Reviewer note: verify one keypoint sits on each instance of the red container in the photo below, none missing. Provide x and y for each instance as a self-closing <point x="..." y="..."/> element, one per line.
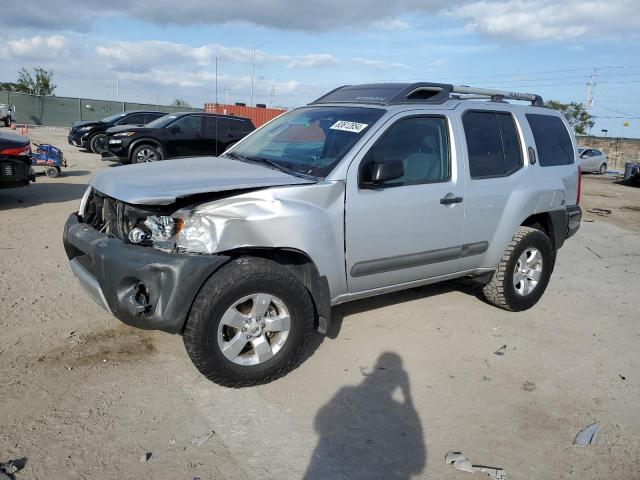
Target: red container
<point x="259" y="116"/>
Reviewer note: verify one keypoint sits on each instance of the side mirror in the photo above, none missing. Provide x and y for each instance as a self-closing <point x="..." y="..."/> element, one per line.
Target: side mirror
<point x="376" y="174"/>
<point x="583" y="155"/>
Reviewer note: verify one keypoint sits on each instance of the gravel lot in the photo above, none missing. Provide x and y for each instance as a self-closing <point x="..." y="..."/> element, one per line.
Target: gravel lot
<point x="408" y="377"/>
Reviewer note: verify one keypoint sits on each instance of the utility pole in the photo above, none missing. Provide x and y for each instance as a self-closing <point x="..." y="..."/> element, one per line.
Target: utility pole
<point x="273" y="96"/>
<point x="588" y="101"/>
<point x="253" y="68"/>
<point x="117" y="86"/>
<point x="216" y="80"/>
<point x="226" y="96"/>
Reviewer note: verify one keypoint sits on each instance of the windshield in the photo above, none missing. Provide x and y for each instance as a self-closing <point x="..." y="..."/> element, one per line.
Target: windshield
<point x="310" y="140"/>
<point x="111" y="118"/>
<point x="161" y="122"/>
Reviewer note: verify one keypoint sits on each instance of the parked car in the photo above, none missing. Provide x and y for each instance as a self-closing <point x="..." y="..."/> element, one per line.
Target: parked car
<point x="89" y="134"/>
<point x="592" y="160"/>
<point x="176" y="135"/>
<point x="15" y="161"/>
<point x="7" y="114"/>
<point x="367" y="190"/>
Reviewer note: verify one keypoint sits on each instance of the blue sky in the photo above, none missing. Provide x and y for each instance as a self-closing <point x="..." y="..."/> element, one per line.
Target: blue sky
<point x="163" y="50"/>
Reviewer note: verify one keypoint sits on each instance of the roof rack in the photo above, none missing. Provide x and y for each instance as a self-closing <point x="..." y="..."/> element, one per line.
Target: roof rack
<point x="422" y="92"/>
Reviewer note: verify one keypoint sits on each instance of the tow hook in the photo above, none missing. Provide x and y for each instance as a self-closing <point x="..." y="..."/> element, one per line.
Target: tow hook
<point x="139" y="299"/>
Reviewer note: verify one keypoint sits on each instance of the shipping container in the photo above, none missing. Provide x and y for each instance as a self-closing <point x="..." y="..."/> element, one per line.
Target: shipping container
<point x="259" y="116"/>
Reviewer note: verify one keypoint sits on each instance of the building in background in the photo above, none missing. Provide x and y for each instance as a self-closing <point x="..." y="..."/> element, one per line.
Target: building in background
<point x="259" y="114"/>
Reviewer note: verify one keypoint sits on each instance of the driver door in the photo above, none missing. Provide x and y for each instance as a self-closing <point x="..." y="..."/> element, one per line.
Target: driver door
<point x="408" y="228"/>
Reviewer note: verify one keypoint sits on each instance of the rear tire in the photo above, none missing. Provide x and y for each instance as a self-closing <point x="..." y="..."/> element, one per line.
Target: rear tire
<point x="603" y="169"/>
<point x="52" y="172"/>
<point x="7" y="122"/>
<point x="519" y="282"/>
<point x="246" y="278"/>
<point x="146" y="153"/>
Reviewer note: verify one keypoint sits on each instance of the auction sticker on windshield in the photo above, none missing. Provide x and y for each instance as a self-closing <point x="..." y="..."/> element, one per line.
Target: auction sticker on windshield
<point x="349" y="126"/>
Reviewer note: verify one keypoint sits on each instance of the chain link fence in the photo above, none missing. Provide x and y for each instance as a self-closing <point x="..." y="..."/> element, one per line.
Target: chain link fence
<point x="64" y="111"/>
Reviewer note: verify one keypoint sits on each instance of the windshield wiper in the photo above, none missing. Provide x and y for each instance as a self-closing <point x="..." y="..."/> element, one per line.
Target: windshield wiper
<point x="271" y="163"/>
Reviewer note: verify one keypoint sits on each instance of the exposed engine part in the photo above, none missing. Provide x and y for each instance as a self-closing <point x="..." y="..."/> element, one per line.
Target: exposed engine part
<point x="137" y="235"/>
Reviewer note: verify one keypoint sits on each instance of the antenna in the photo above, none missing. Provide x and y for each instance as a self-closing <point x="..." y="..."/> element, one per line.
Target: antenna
<point x="588" y="101"/>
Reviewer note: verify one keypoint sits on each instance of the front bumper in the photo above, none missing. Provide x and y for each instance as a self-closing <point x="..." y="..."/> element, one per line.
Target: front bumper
<point x="141" y="286"/>
<point x="77" y="139"/>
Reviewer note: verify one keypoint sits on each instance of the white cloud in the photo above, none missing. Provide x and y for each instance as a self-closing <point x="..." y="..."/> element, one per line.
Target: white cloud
<point x="391" y="24"/>
<point x="34" y="48"/>
<point x="439" y="64"/>
<point x="380" y="64"/>
<point x="551" y="20"/>
<point x="144" y="55"/>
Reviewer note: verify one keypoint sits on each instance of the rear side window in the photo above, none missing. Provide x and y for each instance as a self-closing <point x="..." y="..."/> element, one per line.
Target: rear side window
<point x="135" y="119"/>
<point x="492" y="143"/>
<point x="552" y="140"/>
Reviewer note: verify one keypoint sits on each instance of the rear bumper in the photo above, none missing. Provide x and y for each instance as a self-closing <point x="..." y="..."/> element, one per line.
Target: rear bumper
<point x="15" y="172"/>
<point x="141" y="286"/>
<point x="574" y="216"/>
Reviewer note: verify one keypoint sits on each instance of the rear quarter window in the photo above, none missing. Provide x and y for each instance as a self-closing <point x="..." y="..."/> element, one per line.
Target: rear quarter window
<point x="552" y="140"/>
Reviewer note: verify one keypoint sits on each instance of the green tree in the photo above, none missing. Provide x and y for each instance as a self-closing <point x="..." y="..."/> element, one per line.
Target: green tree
<point x="41" y="83"/>
<point x="576" y="115"/>
<point x="8" y="86"/>
<point x="178" y="102"/>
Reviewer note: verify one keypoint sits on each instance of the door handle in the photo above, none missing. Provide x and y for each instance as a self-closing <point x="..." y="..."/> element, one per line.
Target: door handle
<point x="449" y="199"/>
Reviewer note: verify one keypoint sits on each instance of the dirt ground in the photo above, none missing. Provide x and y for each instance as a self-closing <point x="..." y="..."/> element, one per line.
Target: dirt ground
<point x="408" y="376"/>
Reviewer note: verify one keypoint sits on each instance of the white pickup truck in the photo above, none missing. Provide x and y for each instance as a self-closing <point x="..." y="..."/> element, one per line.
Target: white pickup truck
<point x="7" y="114"/>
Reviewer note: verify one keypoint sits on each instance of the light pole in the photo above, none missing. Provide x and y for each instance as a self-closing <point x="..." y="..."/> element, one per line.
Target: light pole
<point x="253" y="68"/>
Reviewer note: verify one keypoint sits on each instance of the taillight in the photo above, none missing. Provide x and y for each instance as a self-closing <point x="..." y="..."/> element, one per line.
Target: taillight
<point x="579" y="184"/>
<point x="19" y="151"/>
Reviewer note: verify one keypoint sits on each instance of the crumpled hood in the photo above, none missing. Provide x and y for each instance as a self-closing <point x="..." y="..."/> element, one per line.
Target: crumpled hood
<point x="162" y="183"/>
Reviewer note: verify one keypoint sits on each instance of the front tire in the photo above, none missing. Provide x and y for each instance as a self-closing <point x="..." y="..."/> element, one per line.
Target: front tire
<point x="523" y="273"/>
<point x="96" y="142"/>
<point x="249" y="324"/>
<point x="146" y="153"/>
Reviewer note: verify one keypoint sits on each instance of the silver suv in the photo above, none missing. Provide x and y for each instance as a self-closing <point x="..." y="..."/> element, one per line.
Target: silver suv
<point x="367" y="190"/>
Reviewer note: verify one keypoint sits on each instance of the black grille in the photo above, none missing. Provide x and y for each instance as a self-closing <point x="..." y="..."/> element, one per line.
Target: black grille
<point x="8" y="170"/>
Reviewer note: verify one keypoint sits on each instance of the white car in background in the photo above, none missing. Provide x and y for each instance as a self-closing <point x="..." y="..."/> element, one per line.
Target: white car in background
<point x="7" y="114"/>
<point x="592" y="160"/>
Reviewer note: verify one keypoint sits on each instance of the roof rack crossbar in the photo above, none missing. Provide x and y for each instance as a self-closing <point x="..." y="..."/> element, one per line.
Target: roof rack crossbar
<point x="497" y="95"/>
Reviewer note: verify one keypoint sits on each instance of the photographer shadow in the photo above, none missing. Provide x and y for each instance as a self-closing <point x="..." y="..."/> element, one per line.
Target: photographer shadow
<point x="370" y="431"/>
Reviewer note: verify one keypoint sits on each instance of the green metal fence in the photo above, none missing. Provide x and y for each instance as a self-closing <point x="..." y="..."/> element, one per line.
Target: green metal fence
<point x="63" y="111"/>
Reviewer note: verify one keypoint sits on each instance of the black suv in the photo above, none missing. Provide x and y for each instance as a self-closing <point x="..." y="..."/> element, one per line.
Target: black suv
<point x="90" y="134"/>
<point x="176" y="135"/>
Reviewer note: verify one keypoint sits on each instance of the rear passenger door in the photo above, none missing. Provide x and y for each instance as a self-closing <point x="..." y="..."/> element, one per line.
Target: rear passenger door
<point x="494" y="167"/>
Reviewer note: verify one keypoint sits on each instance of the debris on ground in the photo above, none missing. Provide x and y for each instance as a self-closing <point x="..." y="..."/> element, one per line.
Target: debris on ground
<point x="501" y="351"/>
<point x="587" y="436"/>
<point x="528" y="386"/>
<point x="145" y="457"/>
<point x="199" y="441"/>
<point x="594" y="252"/>
<point x="7" y="469"/>
<point x="603" y="212"/>
<point x="460" y="462"/>
<point x="622" y="377"/>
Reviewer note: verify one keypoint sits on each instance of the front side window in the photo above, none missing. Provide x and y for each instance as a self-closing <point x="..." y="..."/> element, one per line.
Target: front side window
<point x="493" y="144"/>
<point x="135" y="119"/>
<point x="189" y="124"/>
<point x="421" y="144"/>
<point x="552" y="140"/>
<point x="310" y="140"/>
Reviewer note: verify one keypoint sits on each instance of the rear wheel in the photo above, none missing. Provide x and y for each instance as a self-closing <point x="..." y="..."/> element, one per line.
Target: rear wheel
<point x="250" y="323"/>
<point x="146" y="153"/>
<point x="52" y="172"/>
<point x="523" y="273"/>
<point x="7" y="121"/>
<point x="603" y="169"/>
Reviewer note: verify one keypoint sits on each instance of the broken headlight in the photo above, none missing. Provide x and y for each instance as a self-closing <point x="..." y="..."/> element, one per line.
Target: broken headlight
<point x="161" y="231"/>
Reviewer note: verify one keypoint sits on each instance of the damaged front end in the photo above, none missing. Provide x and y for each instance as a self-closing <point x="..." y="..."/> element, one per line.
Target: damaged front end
<point x="124" y="257"/>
